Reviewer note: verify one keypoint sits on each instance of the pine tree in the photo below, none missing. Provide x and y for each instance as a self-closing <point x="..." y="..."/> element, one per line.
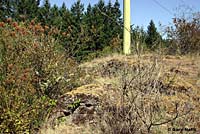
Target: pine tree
<point x="89" y="29"/>
<point x="6" y="9"/>
<point x="66" y="16"/>
<point x="109" y="19"/>
<point x="99" y="12"/>
<point x="55" y="18"/>
<point x="26" y="9"/>
<point x="76" y="30"/>
<point x="152" y="36"/>
<point x="77" y="10"/>
<point x="44" y="13"/>
<point x="112" y="28"/>
<point x="3" y="11"/>
<point x="88" y="14"/>
<point x="117" y="10"/>
<point x="117" y="29"/>
<point x="63" y="9"/>
<point x="109" y="8"/>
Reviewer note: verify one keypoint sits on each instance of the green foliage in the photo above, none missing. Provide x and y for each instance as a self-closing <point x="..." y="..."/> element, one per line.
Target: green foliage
<point x="184" y="34"/>
<point x="83" y="32"/>
<point x="74" y="105"/>
<point x="20" y="10"/>
<point x="92" y="31"/>
<point x="77" y="14"/>
<point x="44" y="13"/>
<point x="139" y="37"/>
<point x="26" y="9"/>
<point x="22" y="112"/>
<point x="153" y="37"/>
<point x="5" y="7"/>
<point x="34" y="71"/>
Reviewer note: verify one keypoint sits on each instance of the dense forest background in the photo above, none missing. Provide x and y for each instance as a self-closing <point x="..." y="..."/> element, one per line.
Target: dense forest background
<point x="41" y="46"/>
<point x="87" y="33"/>
<point x="83" y="31"/>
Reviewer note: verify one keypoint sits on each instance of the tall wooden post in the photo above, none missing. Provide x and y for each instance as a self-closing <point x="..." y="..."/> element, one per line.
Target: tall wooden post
<point x="127" y="28"/>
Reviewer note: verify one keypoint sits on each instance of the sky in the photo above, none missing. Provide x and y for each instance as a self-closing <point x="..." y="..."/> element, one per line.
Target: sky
<point x="142" y="11"/>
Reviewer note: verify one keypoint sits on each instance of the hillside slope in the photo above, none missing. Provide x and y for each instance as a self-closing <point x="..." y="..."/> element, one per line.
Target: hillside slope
<point x="173" y="80"/>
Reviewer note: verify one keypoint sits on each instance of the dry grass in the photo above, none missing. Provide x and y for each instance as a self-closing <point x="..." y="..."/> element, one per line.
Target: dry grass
<point x="70" y="129"/>
<point x="181" y="97"/>
<point x="175" y="108"/>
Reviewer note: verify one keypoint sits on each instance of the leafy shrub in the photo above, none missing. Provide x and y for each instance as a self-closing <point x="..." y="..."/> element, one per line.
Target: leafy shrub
<point x="23" y="112"/>
<point x="34" y="71"/>
<point x="184" y="34"/>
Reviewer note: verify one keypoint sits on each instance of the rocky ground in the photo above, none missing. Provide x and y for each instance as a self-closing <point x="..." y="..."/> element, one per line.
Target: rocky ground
<point x="79" y="111"/>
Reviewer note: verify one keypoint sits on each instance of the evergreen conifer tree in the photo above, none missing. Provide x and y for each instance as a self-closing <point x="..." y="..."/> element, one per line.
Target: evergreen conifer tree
<point x="7" y="9"/>
<point x="56" y="19"/>
<point x="26" y="9"/>
<point x="66" y="16"/>
<point x="77" y="11"/>
<point x="152" y="36"/>
<point x="44" y="13"/>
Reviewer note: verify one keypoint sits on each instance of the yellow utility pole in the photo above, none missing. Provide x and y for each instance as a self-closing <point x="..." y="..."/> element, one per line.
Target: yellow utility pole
<point x="127" y="28"/>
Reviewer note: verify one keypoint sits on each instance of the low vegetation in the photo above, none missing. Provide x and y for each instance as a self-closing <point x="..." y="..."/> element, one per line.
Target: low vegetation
<point x="147" y="102"/>
<point x="57" y="74"/>
<point x="34" y="71"/>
